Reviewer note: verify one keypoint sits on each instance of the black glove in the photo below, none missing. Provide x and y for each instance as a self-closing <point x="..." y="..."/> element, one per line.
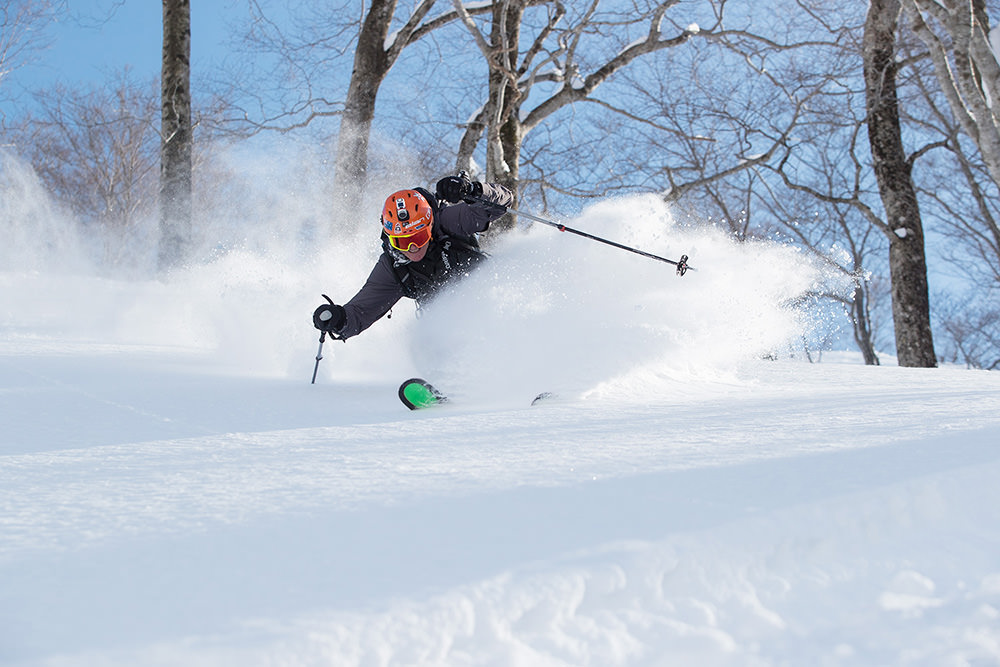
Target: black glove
<point x="329" y="317"/>
<point x="457" y="188"/>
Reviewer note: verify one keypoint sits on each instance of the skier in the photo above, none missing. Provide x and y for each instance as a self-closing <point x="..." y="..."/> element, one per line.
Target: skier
<point x="425" y="245"/>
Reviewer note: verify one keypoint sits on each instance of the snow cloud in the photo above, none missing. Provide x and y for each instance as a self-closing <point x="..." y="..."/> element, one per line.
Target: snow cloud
<point x="551" y="311"/>
<point x="557" y="312"/>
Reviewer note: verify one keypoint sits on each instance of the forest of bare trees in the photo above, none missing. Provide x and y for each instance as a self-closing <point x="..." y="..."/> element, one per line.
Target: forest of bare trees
<point x="866" y="135"/>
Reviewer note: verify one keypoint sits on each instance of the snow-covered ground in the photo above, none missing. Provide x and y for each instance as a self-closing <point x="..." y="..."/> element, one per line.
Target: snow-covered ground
<point x="174" y="491"/>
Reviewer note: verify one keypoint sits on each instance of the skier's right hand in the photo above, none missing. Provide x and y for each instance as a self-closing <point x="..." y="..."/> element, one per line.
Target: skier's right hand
<point x="329" y="317"/>
<point x="458" y="188"/>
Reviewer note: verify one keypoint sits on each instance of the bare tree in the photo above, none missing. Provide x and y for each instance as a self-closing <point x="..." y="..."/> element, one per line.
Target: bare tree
<point x="965" y="210"/>
<point x="373" y="59"/>
<point x="96" y="150"/>
<point x="556" y="56"/>
<point x="957" y="36"/>
<point x="309" y="56"/>
<point x="563" y="59"/>
<point x="907" y="262"/>
<point x="176" y="134"/>
<point x="955" y="79"/>
<point x="840" y="236"/>
<point x="971" y="332"/>
<point x="824" y="201"/>
<point x="22" y="30"/>
<point x="503" y="104"/>
<point x="23" y="35"/>
<point x="826" y="194"/>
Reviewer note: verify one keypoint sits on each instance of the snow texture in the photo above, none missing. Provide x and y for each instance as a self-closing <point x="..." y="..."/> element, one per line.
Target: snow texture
<point x="175" y="492"/>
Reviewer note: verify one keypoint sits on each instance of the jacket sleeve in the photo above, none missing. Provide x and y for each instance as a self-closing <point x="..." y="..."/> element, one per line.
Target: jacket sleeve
<point x="466" y="219"/>
<point x="379" y="293"/>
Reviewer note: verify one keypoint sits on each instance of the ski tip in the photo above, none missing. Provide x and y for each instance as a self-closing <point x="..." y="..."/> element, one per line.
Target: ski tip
<point x="417" y="393"/>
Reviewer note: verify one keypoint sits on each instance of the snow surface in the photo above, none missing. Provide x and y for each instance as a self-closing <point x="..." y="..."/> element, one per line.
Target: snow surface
<point x="175" y="491"/>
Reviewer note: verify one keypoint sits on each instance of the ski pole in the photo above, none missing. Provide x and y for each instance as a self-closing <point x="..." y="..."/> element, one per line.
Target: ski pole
<point x="681" y="264"/>
<point x="319" y="355"/>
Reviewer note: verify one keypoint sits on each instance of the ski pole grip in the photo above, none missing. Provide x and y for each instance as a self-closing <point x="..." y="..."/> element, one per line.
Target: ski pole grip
<point x="464" y="174"/>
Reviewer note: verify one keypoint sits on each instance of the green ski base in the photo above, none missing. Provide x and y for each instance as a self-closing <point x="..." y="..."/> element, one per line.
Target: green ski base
<point x="417" y="394"/>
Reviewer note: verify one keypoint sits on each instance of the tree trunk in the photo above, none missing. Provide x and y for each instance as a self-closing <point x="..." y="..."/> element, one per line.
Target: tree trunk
<point x="176" y="138"/>
<point x="373" y="59"/>
<point x="862" y="327"/>
<point x="503" y="148"/>
<point x="907" y="263"/>
<point x="371" y="65"/>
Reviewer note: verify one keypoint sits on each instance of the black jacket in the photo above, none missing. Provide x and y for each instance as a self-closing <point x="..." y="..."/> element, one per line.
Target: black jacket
<point x="453" y="252"/>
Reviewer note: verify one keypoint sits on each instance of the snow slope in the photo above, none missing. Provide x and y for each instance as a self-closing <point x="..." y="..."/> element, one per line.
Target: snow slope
<point x="175" y="492"/>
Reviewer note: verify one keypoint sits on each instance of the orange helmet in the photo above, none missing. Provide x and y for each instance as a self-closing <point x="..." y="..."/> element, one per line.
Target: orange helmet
<point x="407" y="218"/>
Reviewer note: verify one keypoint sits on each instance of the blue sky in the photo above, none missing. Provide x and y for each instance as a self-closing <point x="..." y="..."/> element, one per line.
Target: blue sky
<point x="101" y="37"/>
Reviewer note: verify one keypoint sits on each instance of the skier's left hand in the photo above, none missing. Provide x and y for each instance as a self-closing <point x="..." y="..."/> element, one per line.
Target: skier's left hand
<point x="329" y="317"/>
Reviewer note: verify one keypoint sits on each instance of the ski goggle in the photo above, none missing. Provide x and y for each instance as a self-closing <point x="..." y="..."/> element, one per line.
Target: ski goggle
<point x="411" y="242"/>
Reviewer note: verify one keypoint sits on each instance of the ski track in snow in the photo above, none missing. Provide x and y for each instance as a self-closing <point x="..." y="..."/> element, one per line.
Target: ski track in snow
<point x="136" y="487"/>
